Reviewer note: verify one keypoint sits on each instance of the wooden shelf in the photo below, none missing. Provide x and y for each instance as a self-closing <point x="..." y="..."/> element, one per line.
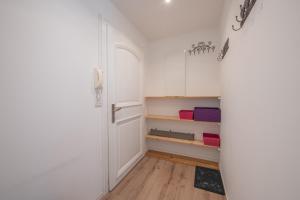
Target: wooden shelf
<point x="174" y="118"/>
<point x="197" y="143"/>
<point x="182" y="97"/>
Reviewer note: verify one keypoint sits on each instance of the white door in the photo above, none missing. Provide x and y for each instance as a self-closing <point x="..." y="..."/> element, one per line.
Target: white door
<point x="125" y="99"/>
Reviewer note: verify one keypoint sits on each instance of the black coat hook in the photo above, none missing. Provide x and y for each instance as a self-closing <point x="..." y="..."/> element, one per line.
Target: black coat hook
<point x="223" y="50"/>
<point x="237" y="19"/>
<point x="244" y="13"/>
<point x="236" y="29"/>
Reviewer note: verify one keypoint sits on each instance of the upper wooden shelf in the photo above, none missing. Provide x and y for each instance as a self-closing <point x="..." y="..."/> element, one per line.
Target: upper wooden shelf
<point x="174" y="118"/>
<point x="182" y="97"/>
<point x="197" y="143"/>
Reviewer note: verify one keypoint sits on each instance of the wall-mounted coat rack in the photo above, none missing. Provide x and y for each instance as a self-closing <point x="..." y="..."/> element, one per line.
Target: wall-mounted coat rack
<point x="245" y="11"/>
<point x="224" y="50"/>
<point x="202" y="47"/>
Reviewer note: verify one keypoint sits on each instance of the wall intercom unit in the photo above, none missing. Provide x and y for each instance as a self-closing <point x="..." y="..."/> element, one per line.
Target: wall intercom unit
<point x="98" y="85"/>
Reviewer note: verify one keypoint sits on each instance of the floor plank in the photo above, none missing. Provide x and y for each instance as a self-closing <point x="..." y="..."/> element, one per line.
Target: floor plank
<point x="159" y="179"/>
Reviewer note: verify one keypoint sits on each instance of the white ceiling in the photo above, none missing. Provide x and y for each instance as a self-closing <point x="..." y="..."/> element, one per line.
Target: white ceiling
<point x="156" y="19"/>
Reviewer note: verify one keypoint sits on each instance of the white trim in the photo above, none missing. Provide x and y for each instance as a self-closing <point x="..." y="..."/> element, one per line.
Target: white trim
<point x="101" y="195"/>
<point x="221" y="172"/>
<point x="104" y="114"/>
<point x="128" y="119"/>
<point x="129" y="104"/>
<point x="127" y="48"/>
<point x="128" y="170"/>
<point x="131" y="162"/>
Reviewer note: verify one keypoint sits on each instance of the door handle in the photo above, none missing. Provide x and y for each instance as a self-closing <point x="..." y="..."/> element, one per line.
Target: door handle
<point x="114" y="109"/>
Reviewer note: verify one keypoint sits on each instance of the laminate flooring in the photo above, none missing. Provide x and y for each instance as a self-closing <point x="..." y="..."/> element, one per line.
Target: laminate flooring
<point x="159" y="179"/>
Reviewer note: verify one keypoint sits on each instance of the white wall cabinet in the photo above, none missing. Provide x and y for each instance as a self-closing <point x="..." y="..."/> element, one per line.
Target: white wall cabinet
<point x="170" y="72"/>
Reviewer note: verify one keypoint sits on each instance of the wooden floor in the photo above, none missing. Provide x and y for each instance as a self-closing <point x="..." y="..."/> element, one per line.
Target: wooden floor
<point x="159" y="179"/>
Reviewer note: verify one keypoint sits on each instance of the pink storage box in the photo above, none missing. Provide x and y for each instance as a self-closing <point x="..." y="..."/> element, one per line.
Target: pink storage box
<point x="186" y="114"/>
<point x="211" y="139"/>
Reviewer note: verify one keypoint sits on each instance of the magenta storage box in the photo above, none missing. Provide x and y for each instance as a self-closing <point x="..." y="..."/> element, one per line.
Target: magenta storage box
<point x="207" y="114"/>
<point x="211" y="139"/>
<point x="186" y="114"/>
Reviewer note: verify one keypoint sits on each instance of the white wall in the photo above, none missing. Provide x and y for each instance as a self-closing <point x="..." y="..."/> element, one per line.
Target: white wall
<point x="260" y="106"/>
<point x="165" y="71"/>
<point x="50" y="131"/>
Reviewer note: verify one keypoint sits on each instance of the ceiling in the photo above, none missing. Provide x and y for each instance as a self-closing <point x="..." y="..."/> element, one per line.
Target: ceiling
<point x="157" y="19"/>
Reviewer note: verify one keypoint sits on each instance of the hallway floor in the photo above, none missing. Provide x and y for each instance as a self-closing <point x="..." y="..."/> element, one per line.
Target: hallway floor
<point x="158" y="179"/>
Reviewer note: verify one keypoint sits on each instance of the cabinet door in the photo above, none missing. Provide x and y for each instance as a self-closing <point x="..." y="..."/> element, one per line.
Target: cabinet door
<point x="202" y="75"/>
<point x="175" y="74"/>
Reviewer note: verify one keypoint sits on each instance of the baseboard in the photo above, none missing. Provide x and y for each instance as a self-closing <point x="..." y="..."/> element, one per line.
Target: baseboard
<point x="102" y="195"/>
<point x="221" y="172"/>
<point x="182" y="159"/>
<point x="134" y="165"/>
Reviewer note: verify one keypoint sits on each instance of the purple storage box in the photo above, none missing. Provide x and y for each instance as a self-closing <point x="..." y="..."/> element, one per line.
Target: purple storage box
<point x="207" y="114"/>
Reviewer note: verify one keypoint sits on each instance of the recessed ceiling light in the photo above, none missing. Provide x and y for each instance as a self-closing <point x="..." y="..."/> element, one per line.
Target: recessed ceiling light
<point x="168" y="1"/>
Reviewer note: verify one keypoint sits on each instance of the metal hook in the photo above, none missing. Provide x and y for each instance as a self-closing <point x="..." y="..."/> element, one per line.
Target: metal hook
<point x="237" y="19"/>
<point x="201" y="47"/>
<point x="233" y="28"/>
<point x="245" y="10"/>
<point x="213" y="48"/>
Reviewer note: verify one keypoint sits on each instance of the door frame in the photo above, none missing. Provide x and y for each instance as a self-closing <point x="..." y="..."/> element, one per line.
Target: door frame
<point x="102" y="61"/>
